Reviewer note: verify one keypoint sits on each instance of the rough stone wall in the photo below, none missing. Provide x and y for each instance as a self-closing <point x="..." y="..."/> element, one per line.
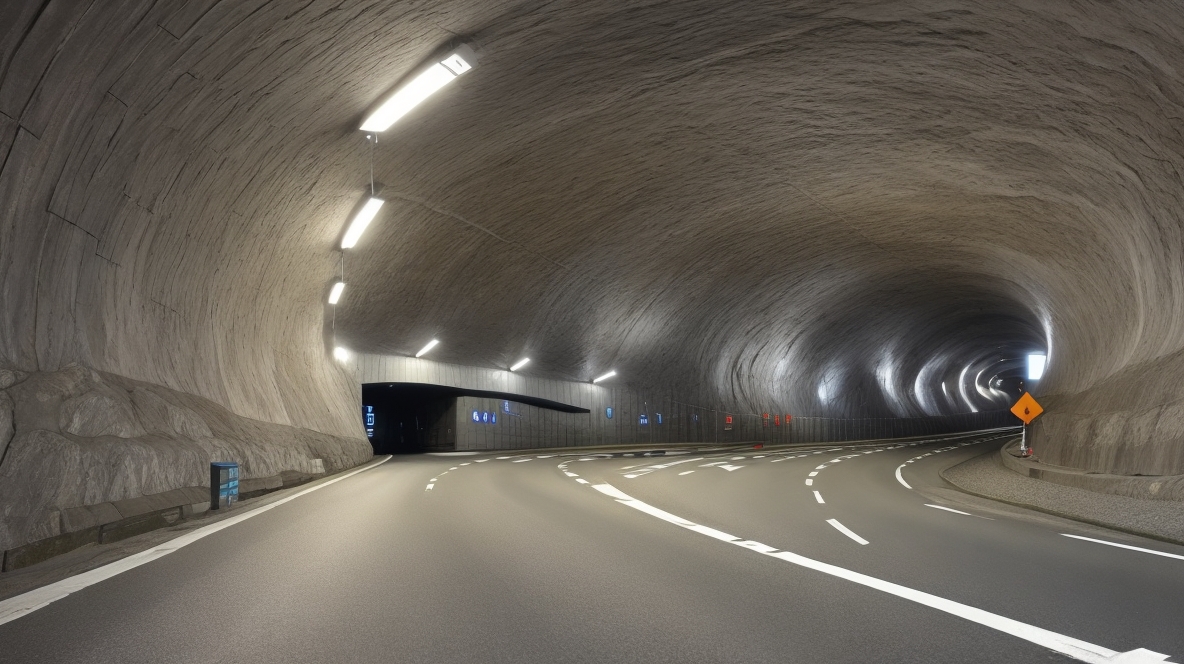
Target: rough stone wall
<point x="854" y="209"/>
<point x="83" y="438"/>
<point x="1132" y="423"/>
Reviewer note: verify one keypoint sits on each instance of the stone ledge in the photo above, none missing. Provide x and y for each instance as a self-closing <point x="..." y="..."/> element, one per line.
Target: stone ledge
<point x="1149" y="487"/>
<point x="110" y="522"/>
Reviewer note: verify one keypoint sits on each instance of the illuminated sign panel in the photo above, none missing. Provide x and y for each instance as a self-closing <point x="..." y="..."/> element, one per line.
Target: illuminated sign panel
<point x="484" y="417"/>
<point x="368" y="420"/>
<point x="608" y="412"/>
<point x="643" y="419"/>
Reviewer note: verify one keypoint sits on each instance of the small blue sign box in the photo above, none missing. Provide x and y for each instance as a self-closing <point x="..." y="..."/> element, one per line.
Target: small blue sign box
<point x="369" y="417"/>
<point x="484" y="417"/>
<point x="223" y="484"/>
<point x="659" y="418"/>
<point x="608" y="412"/>
<point x="643" y="419"/>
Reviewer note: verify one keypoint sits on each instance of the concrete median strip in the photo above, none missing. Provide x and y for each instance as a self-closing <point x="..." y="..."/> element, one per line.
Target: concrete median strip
<point x="24" y="604"/>
<point x="1075" y="648"/>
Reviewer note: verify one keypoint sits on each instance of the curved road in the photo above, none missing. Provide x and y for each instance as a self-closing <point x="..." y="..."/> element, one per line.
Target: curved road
<point x="811" y="554"/>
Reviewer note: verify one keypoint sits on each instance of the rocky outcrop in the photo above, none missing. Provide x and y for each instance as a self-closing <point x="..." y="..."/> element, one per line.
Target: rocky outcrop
<point x="84" y="438"/>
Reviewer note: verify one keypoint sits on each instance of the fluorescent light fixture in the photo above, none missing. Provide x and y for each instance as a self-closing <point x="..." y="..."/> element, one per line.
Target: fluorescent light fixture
<point x="360" y="222"/>
<point x="419" y="88"/>
<point x="1036" y="362"/>
<point x="520" y="363"/>
<point x="604" y="377"/>
<point x="423" y="351"/>
<point x="335" y="294"/>
<point x="341" y="354"/>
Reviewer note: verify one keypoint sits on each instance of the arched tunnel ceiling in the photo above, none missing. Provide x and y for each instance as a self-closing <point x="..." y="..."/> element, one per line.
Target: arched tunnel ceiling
<point x="804" y="203"/>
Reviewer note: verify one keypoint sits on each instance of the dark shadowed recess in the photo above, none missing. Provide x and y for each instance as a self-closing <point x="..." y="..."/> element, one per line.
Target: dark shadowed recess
<point x="415" y="417"/>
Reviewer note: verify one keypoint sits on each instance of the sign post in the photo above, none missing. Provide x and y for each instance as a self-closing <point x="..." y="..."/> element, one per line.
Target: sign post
<point x="1027" y="410"/>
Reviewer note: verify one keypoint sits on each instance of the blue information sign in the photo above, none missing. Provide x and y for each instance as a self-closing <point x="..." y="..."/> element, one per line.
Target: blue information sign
<point x="608" y="412"/>
<point x="643" y="419"/>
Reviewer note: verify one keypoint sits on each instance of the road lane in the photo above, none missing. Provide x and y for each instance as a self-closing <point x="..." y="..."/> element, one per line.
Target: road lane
<point x="508" y="561"/>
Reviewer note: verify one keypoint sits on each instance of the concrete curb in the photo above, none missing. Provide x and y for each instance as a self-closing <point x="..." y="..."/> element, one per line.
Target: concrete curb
<point x="1054" y="512"/>
<point x="104" y="523"/>
<point x="1145" y="487"/>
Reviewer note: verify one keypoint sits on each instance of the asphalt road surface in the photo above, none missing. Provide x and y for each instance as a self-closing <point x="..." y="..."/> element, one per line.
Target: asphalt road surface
<point x="811" y="554"/>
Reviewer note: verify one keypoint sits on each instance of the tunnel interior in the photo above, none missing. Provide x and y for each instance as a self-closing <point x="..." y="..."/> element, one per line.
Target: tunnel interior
<point x="840" y="210"/>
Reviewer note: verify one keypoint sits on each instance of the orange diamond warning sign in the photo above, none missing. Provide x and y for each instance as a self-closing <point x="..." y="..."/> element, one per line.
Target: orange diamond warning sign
<point x="1026" y="408"/>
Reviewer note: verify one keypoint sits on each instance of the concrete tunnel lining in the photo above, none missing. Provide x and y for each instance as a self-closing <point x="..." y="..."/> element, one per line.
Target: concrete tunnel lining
<point x="751" y="205"/>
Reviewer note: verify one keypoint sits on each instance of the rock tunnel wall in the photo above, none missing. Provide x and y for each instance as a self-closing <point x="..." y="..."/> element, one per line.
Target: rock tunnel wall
<point x="855" y="209"/>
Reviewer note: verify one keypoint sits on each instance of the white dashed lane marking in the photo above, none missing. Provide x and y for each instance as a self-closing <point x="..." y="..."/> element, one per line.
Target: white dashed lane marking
<point x="948" y="509"/>
<point x="818" y="497"/>
<point x="1066" y="645"/>
<point x="900" y="479"/>
<point x="1126" y="546"/>
<point x="846" y="531"/>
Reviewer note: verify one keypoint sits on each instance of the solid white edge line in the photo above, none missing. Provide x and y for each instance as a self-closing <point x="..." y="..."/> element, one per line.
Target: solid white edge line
<point x="901" y="479"/>
<point x="846" y="531"/>
<point x="1127" y="546"/>
<point x="26" y="603"/>
<point x="1066" y="645"/>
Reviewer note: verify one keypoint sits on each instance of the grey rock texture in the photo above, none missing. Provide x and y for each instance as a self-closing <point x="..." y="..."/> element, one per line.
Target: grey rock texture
<point x="84" y="438"/>
<point x="856" y="209"/>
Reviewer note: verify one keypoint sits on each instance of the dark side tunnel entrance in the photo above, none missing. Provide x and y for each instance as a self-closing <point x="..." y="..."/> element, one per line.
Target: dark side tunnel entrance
<point x="412" y="418"/>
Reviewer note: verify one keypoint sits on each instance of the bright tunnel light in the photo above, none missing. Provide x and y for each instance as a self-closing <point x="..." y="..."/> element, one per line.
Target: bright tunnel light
<point x="341" y="354"/>
<point x="335" y="294"/>
<point x="1036" y="362"/>
<point x="520" y="363"/>
<point x="360" y="222"/>
<point x="423" y="351"/>
<point x="604" y="377"/>
<point x="418" y="89"/>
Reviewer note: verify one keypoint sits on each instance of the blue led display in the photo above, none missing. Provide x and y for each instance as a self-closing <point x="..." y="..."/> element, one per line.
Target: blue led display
<point x="608" y="412"/>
